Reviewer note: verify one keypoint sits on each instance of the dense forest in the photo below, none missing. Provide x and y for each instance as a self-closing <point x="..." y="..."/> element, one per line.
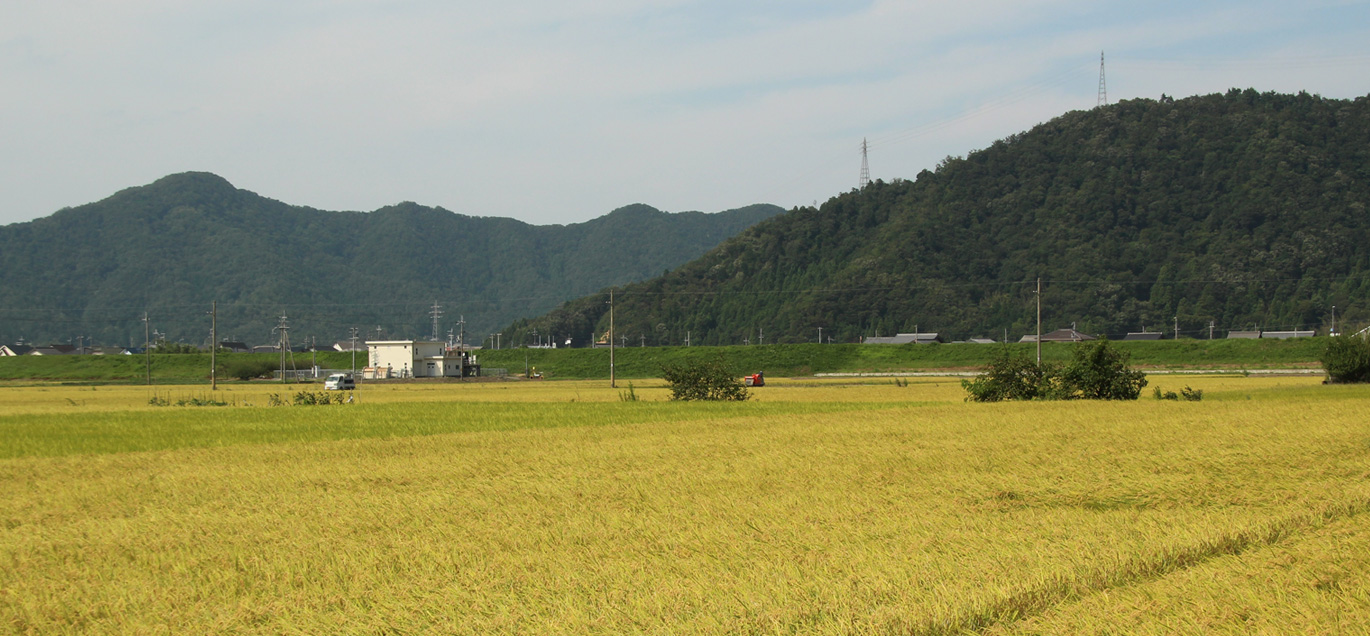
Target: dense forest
<point x="172" y="247"/>
<point x="1240" y="210"/>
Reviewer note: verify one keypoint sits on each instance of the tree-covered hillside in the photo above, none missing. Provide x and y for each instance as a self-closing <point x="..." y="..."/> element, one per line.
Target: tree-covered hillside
<point x="172" y="247"/>
<point x="1239" y="210"/>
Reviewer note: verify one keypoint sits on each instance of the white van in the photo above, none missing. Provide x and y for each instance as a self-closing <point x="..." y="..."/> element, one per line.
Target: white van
<point x="339" y="382"/>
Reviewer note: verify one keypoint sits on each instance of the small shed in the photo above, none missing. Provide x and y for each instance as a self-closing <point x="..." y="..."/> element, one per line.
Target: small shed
<point x="1144" y="335"/>
<point x="1244" y="335"/>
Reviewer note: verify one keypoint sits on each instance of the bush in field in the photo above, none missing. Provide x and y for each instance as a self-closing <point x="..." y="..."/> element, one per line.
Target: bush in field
<point x="1097" y="371"/>
<point x="1346" y="359"/>
<point x="703" y="380"/>
<point x="1187" y="394"/>
<point x="1012" y="378"/>
<point x="250" y="368"/>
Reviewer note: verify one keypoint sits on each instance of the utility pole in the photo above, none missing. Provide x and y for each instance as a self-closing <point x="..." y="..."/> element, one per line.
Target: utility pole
<point x="1039" y="321"/>
<point x="461" y="332"/>
<point x="1210" y="329"/>
<point x="820" y="335"/>
<point x="497" y="340"/>
<point x="1177" y="327"/>
<point x="687" y="338"/>
<point x="611" y="339"/>
<point x="213" y="346"/>
<point x="353" y="333"/>
<point x="147" y="348"/>
<point x="284" y="345"/>
<point x="1334" y="321"/>
<point x="642" y="341"/>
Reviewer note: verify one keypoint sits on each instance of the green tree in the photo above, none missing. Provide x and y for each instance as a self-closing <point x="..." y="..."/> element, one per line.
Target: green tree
<point x="1010" y="377"/>
<point x="1346" y="359"/>
<point x="709" y="379"/>
<point x="1099" y="371"/>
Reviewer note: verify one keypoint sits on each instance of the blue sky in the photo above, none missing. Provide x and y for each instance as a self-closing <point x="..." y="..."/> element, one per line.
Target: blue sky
<point x="555" y="112"/>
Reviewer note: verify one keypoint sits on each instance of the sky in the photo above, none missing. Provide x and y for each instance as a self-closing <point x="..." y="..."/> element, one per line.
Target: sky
<point x="559" y="112"/>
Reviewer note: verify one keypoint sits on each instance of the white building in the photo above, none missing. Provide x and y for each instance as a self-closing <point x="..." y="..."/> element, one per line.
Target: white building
<point x="418" y="359"/>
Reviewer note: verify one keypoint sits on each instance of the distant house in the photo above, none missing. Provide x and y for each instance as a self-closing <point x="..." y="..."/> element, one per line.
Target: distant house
<point x="418" y="359"/>
<point x="346" y="345"/>
<point x="233" y="346"/>
<point x="1144" y="335"/>
<point x="1283" y="335"/>
<point x="905" y="338"/>
<point x="108" y="351"/>
<point x="981" y="341"/>
<point x="15" y="350"/>
<point x="1060" y="335"/>
<point x="265" y="349"/>
<point x="1244" y="335"/>
<point x="48" y="351"/>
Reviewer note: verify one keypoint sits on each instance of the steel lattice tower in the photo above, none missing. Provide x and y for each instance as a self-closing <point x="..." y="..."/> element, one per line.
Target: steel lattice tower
<point x="436" y="313"/>
<point x="865" y="166"/>
<point x="1103" y="92"/>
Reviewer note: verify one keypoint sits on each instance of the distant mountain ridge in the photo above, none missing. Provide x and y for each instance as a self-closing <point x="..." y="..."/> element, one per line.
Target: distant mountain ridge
<point x="1242" y="210"/>
<point x="172" y="247"/>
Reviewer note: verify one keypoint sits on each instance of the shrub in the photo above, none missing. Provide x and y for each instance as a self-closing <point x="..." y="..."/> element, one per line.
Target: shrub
<point x="1346" y="359"/>
<point x="1012" y="378"/>
<point x="1187" y="394"/>
<point x="249" y="369"/>
<point x="704" y="380"/>
<point x="1098" y="371"/>
<point x="175" y="347"/>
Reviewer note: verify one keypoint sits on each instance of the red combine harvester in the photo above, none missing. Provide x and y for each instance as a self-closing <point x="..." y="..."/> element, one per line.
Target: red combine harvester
<point x="755" y="379"/>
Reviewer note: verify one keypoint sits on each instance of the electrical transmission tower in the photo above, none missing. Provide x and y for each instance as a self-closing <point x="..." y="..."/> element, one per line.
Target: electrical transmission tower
<point x="436" y="313"/>
<point x="865" y="166"/>
<point x="1103" y="92"/>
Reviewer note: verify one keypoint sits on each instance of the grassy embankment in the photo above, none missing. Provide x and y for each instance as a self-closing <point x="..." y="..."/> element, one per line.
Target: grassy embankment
<point x="808" y="359"/>
<point x="636" y="362"/>
<point x="821" y="507"/>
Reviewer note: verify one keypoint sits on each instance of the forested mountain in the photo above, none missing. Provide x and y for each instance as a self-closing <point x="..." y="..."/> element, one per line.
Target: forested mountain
<point x="172" y="247"/>
<point x="1238" y="210"/>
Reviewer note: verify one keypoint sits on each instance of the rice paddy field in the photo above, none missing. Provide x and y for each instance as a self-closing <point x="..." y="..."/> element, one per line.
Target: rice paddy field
<point x="817" y="507"/>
